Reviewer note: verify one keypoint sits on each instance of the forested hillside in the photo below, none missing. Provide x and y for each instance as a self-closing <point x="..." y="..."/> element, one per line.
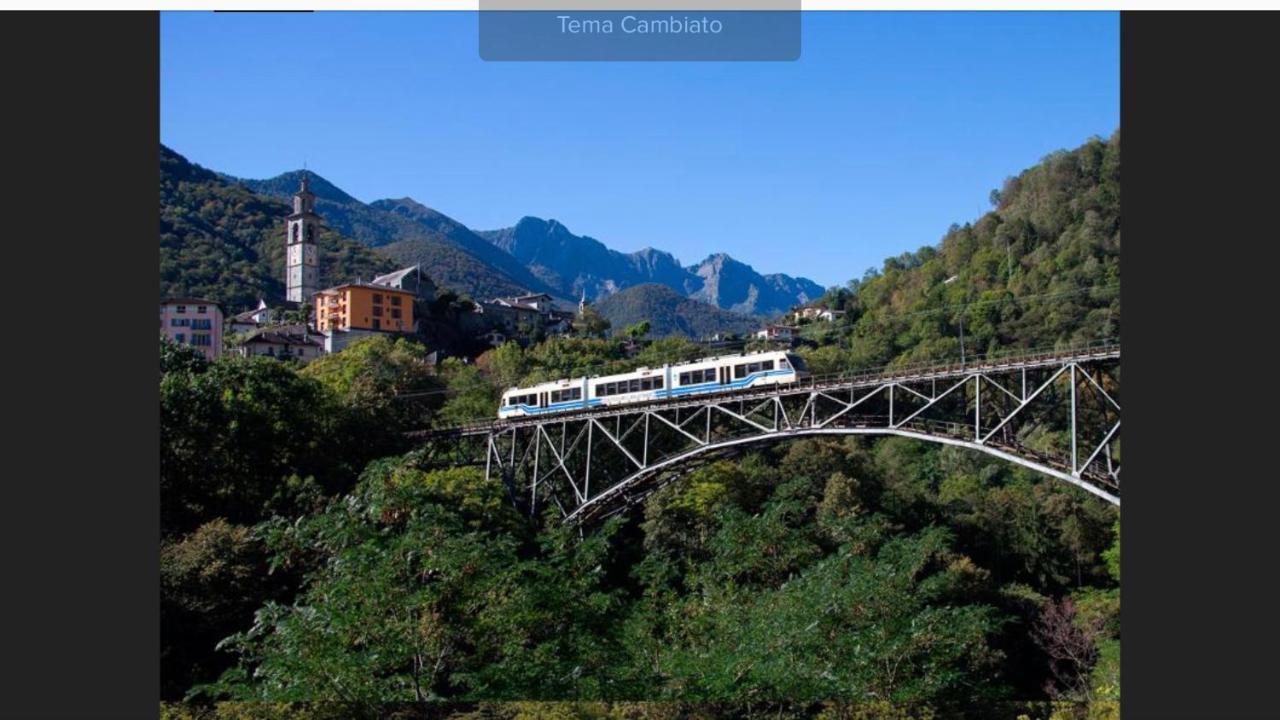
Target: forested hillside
<point x="847" y="577"/>
<point x="670" y="313"/>
<point x="1041" y="269"/>
<point x="221" y="241"/>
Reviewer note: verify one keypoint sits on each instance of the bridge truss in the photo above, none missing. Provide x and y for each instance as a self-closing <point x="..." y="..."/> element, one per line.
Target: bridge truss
<point x="1055" y="412"/>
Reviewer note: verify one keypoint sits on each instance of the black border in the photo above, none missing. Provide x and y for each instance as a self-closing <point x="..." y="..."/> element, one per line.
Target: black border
<point x="79" y="533"/>
<point x="1201" y="502"/>
<point x="78" y="514"/>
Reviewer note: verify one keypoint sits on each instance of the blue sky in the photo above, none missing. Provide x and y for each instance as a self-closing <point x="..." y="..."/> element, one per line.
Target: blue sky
<point x="889" y="128"/>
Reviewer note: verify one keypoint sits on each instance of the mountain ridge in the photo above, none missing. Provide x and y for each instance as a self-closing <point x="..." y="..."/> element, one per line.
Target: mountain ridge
<point x="576" y="264"/>
<point x="534" y="255"/>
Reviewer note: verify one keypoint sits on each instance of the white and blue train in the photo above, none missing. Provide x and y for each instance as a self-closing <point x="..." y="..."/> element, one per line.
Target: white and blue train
<point x="708" y="375"/>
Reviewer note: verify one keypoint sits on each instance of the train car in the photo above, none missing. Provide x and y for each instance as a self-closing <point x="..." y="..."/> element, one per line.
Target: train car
<point x="726" y="373"/>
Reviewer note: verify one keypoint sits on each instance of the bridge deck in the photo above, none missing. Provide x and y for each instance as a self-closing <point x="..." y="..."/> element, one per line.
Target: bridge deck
<point x="1029" y="360"/>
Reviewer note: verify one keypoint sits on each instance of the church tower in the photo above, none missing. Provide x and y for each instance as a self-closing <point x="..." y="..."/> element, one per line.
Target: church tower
<point x="302" y="274"/>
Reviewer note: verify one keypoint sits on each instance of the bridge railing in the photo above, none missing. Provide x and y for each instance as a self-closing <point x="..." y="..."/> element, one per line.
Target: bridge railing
<point x="1011" y="356"/>
<point x="1107" y="347"/>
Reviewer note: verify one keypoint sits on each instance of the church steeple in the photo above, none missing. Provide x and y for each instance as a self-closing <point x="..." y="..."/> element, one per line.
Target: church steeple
<point x="302" y="273"/>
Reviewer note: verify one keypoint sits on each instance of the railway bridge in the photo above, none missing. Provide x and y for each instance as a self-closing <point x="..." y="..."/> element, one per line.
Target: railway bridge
<point x="1054" y="411"/>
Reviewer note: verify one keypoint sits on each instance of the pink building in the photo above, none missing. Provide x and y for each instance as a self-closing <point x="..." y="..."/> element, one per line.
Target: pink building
<point x="194" y="322"/>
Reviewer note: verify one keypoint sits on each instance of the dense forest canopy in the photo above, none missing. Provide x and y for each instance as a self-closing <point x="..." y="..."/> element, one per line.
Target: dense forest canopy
<point x="1041" y="269"/>
<point x="312" y="553"/>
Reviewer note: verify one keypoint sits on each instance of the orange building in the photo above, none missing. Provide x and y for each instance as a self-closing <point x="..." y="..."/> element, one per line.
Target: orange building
<point x="364" y="306"/>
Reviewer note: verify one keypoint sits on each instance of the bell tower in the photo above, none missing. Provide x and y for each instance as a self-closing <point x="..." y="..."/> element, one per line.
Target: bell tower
<point x="302" y="270"/>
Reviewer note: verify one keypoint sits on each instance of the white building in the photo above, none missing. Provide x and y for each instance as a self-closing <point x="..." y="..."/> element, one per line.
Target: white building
<point x="776" y="332"/>
<point x="284" y="341"/>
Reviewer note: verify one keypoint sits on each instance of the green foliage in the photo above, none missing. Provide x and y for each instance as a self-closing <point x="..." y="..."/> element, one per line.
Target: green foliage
<point x="382" y="380"/>
<point x="1041" y="269"/>
<point x="668" y="313"/>
<point x="589" y="323"/>
<point x="471" y="396"/>
<point x="639" y="329"/>
<point x="505" y="364"/>
<point x="418" y="601"/>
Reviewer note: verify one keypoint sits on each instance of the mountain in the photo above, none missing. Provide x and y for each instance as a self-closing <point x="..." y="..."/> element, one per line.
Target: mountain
<point x="736" y="286"/>
<point x="222" y="241"/>
<point x="574" y="264"/>
<point x="670" y="313"/>
<point x="534" y="255"/>
<point x="410" y="233"/>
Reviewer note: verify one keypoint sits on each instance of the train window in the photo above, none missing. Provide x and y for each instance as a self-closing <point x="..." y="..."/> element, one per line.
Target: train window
<point x="576" y="394"/>
<point x="657" y="383"/>
<point x="766" y="365"/>
<point x="635" y="385"/>
<point x="739" y="371"/>
<point x="646" y="384"/>
<point x="782" y="364"/>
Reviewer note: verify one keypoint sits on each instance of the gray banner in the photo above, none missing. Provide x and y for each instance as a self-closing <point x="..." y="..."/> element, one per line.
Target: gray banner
<point x="669" y="34"/>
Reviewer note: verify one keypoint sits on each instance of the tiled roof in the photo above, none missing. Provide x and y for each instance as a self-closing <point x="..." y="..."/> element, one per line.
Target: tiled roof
<point x="283" y="335"/>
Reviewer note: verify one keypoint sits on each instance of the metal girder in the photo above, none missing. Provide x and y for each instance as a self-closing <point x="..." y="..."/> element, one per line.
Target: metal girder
<point x="899" y="403"/>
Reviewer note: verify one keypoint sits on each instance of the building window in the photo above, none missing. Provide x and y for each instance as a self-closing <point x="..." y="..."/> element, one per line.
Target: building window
<point x="377" y="298"/>
<point x="182" y="309"/>
<point x="201" y="309"/>
<point x="395" y="312"/>
<point x="200" y="339"/>
<point x="180" y="338"/>
<point x="377" y="324"/>
<point x="377" y="310"/>
<point x="395" y="300"/>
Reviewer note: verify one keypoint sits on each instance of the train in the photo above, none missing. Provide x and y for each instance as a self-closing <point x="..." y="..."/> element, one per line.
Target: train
<point x="719" y="374"/>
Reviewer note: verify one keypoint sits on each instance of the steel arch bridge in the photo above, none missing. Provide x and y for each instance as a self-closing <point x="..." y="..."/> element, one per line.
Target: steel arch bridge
<point x="1056" y="412"/>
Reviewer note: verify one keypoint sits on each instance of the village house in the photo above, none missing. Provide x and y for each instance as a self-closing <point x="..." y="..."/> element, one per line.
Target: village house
<point x="817" y="313"/>
<point x="410" y="279"/>
<point x="282" y="342"/>
<point x="193" y="321"/>
<point x="776" y="332"/>
<point x="512" y="316"/>
<point x="250" y="320"/>
<point x="354" y="310"/>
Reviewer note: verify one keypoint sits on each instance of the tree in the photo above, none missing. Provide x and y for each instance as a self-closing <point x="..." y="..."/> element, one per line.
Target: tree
<point x="1071" y="642"/>
<point x="506" y="364"/>
<point x="638" y="330"/>
<point x="386" y="383"/>
<point x="422" y="597"/>
<point x="590" y="323"/>
<point x="470" y="396"/>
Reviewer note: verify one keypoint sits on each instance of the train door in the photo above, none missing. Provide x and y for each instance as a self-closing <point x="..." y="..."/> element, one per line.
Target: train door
<point x="542" y="399"/>
<point x="724" y="375"/>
